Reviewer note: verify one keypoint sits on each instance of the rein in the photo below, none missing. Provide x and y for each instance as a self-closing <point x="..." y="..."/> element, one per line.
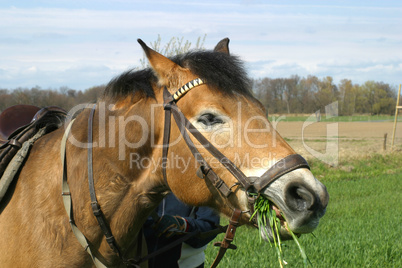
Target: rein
<point x="66" y="194"/>
<point x="252" y="185"/>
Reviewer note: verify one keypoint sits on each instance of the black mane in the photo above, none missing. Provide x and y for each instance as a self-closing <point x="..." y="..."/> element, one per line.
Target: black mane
<point x="131" y="82"/>
<point x="221" y="71"/>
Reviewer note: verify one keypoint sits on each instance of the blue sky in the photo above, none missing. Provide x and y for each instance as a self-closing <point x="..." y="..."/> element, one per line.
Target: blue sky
<point x="80" y="44"/>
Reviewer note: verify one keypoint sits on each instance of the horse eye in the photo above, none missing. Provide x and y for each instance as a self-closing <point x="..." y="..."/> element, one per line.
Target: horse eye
<point x="209" y="119"/>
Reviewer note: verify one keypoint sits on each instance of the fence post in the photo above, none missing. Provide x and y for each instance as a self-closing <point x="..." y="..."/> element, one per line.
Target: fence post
<point x="396" y="116"/>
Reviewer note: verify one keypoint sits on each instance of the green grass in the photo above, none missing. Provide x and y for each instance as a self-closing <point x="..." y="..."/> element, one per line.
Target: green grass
<point x="358" y="169"/>
<point x="343" y="118"/>
<point x="362" y="226"/>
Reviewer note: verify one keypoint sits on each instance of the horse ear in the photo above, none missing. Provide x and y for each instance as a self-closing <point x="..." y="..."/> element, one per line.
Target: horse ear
<point x="223" y="46"/>
<point x="166" y="70"/>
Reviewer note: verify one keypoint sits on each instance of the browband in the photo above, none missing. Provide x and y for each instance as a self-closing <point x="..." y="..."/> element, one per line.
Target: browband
<point x="187" y="87"/>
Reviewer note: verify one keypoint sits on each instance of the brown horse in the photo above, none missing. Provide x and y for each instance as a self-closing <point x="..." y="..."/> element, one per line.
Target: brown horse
<point x="129" y="163"/>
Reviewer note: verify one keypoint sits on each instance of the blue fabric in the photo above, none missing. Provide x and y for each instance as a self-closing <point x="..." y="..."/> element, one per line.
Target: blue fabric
<point x="168" y="224"/>
<point x="205" y="219"/>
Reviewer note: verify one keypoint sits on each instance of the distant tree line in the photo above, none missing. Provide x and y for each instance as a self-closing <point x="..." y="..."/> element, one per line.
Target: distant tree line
<point x="63" y="97"/>
<point x="307" y="95"/>
<point x="294" y="95"/>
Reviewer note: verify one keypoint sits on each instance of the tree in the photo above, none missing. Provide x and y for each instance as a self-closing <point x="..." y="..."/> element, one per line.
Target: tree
<point x="379" y="97"/>
<point x="261" y="89"/>
<point x="5" y="99"/>
<point x="347" y="97"/>
<point x="327" y="92"/>
<point x="307" y="87"/>
<point x="290" y="92"/>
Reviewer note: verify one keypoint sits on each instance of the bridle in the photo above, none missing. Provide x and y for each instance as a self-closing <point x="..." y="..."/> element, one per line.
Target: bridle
<point x="251" y="185"/>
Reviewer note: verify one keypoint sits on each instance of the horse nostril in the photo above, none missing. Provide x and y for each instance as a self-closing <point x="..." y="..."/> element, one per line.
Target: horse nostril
<point x="299" y="198"/>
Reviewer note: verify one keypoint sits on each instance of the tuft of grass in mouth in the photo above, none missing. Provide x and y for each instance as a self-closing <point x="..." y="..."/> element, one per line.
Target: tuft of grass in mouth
<point x="266" y="214"/>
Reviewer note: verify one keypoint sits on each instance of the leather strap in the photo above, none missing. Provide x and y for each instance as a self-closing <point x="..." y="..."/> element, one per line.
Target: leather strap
<point x="171" y="108"/>
<point x="166" y="131"/>
<point x="13" y="167"/>
<point x="228" y="239"/>
<point x="171" y="245"/>
<point x="68" y="203"/>
<point x="252" y="184"/>
<point x="94" y="202"/>
<point x="96" y="207"/>
<point x="280" y="168"/>
<point x="184" y="124"/>
<point x="14" y="142"/>
<point x="205" y="168"/>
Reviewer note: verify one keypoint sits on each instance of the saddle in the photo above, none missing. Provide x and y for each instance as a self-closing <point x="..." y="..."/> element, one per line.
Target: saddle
<point x="19" y="123"/>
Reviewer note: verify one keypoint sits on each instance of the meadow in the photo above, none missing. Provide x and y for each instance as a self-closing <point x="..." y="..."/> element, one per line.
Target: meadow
<point x="362" y="226"/>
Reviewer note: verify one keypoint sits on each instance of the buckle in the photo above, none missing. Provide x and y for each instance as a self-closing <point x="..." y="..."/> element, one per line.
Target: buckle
<point x="167" y="106"/>
<point x="96" y="208"/>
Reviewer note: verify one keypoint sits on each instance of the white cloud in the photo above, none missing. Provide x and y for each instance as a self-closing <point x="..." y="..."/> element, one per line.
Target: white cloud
<point x="63" y="44"/>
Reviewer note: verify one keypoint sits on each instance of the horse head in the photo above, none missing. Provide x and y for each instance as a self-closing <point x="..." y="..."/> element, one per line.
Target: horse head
<point x="217" y="110"/>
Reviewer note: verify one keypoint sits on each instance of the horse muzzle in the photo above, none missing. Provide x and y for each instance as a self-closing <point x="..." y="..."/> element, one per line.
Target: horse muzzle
<point x="300" y="202"/>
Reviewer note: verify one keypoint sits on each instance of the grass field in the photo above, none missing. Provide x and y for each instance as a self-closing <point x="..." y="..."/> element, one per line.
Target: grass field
<point x="362" y="226"/>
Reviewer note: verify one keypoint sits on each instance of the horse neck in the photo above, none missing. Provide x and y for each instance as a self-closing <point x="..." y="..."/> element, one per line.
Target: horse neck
<point x="127" y="192"/>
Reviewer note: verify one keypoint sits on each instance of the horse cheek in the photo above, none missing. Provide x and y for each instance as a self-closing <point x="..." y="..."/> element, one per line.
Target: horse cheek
<point x="186" y="185"/>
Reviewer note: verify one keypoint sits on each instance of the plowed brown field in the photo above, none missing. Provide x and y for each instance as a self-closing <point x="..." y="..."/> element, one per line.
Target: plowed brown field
<point x="353" y="138"/>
